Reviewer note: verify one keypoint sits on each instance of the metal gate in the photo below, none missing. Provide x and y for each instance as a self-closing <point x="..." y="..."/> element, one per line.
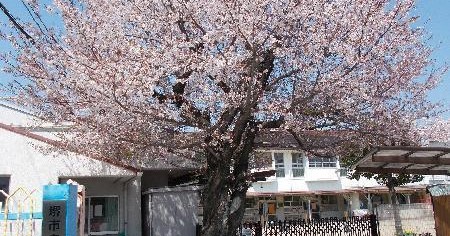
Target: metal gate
<point x="355" y="226"/>
<point x="19" y="215"/>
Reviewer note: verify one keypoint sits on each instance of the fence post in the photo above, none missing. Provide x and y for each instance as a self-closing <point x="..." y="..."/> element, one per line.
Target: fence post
<point x="373" y="225"/>
<point x="258" y="228"/>
<point x="198" y="230"/>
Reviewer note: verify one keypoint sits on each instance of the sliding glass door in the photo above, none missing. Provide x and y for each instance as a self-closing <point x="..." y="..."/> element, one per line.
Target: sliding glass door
<point x="102" y="215"/>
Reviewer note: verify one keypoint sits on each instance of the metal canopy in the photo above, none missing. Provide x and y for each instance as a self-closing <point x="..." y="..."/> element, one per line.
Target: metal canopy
<point x="407" y="160"/>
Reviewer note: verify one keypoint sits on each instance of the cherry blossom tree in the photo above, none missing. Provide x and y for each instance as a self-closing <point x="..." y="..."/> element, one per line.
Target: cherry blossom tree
<point x="433" y="130"/>
<point x="147" y="79"/>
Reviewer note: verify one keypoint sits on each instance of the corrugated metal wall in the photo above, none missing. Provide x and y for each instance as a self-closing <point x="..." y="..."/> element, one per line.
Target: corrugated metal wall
<point x="170" y="211"/>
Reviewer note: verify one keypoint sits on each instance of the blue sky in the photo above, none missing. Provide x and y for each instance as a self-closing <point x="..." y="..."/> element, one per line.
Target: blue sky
<point x="434" y="16"/>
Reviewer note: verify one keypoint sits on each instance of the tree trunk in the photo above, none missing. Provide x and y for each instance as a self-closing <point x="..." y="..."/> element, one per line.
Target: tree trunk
<point x="223" y="197"/>
<point x="223" y="201"/>
<point x="395" y="208"/>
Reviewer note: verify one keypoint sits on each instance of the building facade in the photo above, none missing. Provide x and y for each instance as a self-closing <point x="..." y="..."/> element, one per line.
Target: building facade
<point x="309" y="187"/>
<point x="117" y="198"/>
<point x="139" y="200"/>
<point x="113" y="191"/>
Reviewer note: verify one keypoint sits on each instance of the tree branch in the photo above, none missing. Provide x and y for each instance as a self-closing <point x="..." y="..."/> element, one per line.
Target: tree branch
<point x="16" y="24"/>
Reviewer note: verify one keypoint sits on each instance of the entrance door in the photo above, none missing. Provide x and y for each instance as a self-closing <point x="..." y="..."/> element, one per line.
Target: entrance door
<point x="102" y="215"/>
<point x="315" y="209"/>
<point x="268" y="210"/>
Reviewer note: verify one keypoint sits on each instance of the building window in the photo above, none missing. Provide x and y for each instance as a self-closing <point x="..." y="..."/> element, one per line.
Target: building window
<point x="328" y="199"/>
<point x="102" y="215"/>
<point x="250" y="202"/>
<point x="322" y="162"/>
<point x="293" y="201"/>
<point x="297" y="165"/>
<point x="4" y="186"/>
<point x="328" y="203"/>
<point x="279" y="164"/>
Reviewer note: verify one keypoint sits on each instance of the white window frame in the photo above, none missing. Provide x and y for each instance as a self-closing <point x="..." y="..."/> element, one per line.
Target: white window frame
<point x="279" y="167"/>
<point x="298" y="165"/>
<point x="332" y="161"/>
<point x="88" y="203"/>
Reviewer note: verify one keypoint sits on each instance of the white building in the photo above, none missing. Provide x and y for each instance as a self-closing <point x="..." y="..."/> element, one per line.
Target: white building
<point x="307" y="187"/>
<point x="114" y="188"/>
<point x="137" y="200"/>
<point x="115" y="192"/>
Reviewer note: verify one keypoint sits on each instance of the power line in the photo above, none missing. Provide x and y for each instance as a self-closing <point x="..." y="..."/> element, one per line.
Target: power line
<point x="16" y="24"/>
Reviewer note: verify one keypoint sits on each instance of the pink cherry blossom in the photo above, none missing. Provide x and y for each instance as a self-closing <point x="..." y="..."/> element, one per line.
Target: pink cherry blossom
<point x="142" y="80"/>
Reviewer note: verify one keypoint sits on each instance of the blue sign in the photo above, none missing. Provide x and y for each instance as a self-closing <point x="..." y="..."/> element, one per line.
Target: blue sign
<point x="59" y="213"/>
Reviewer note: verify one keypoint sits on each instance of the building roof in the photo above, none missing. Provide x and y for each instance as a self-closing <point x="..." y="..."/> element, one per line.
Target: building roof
<point x="167" y="162"/>
<point x="406" y="160"/>
<point x="15" y="108"/>
<point x="57" y="144"/>
<point x="318" y="140"/>
<point x="279" y="139"/>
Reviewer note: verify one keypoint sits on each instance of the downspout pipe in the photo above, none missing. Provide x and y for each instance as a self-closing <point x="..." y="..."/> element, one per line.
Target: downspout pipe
<point x="125" y="200"/>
